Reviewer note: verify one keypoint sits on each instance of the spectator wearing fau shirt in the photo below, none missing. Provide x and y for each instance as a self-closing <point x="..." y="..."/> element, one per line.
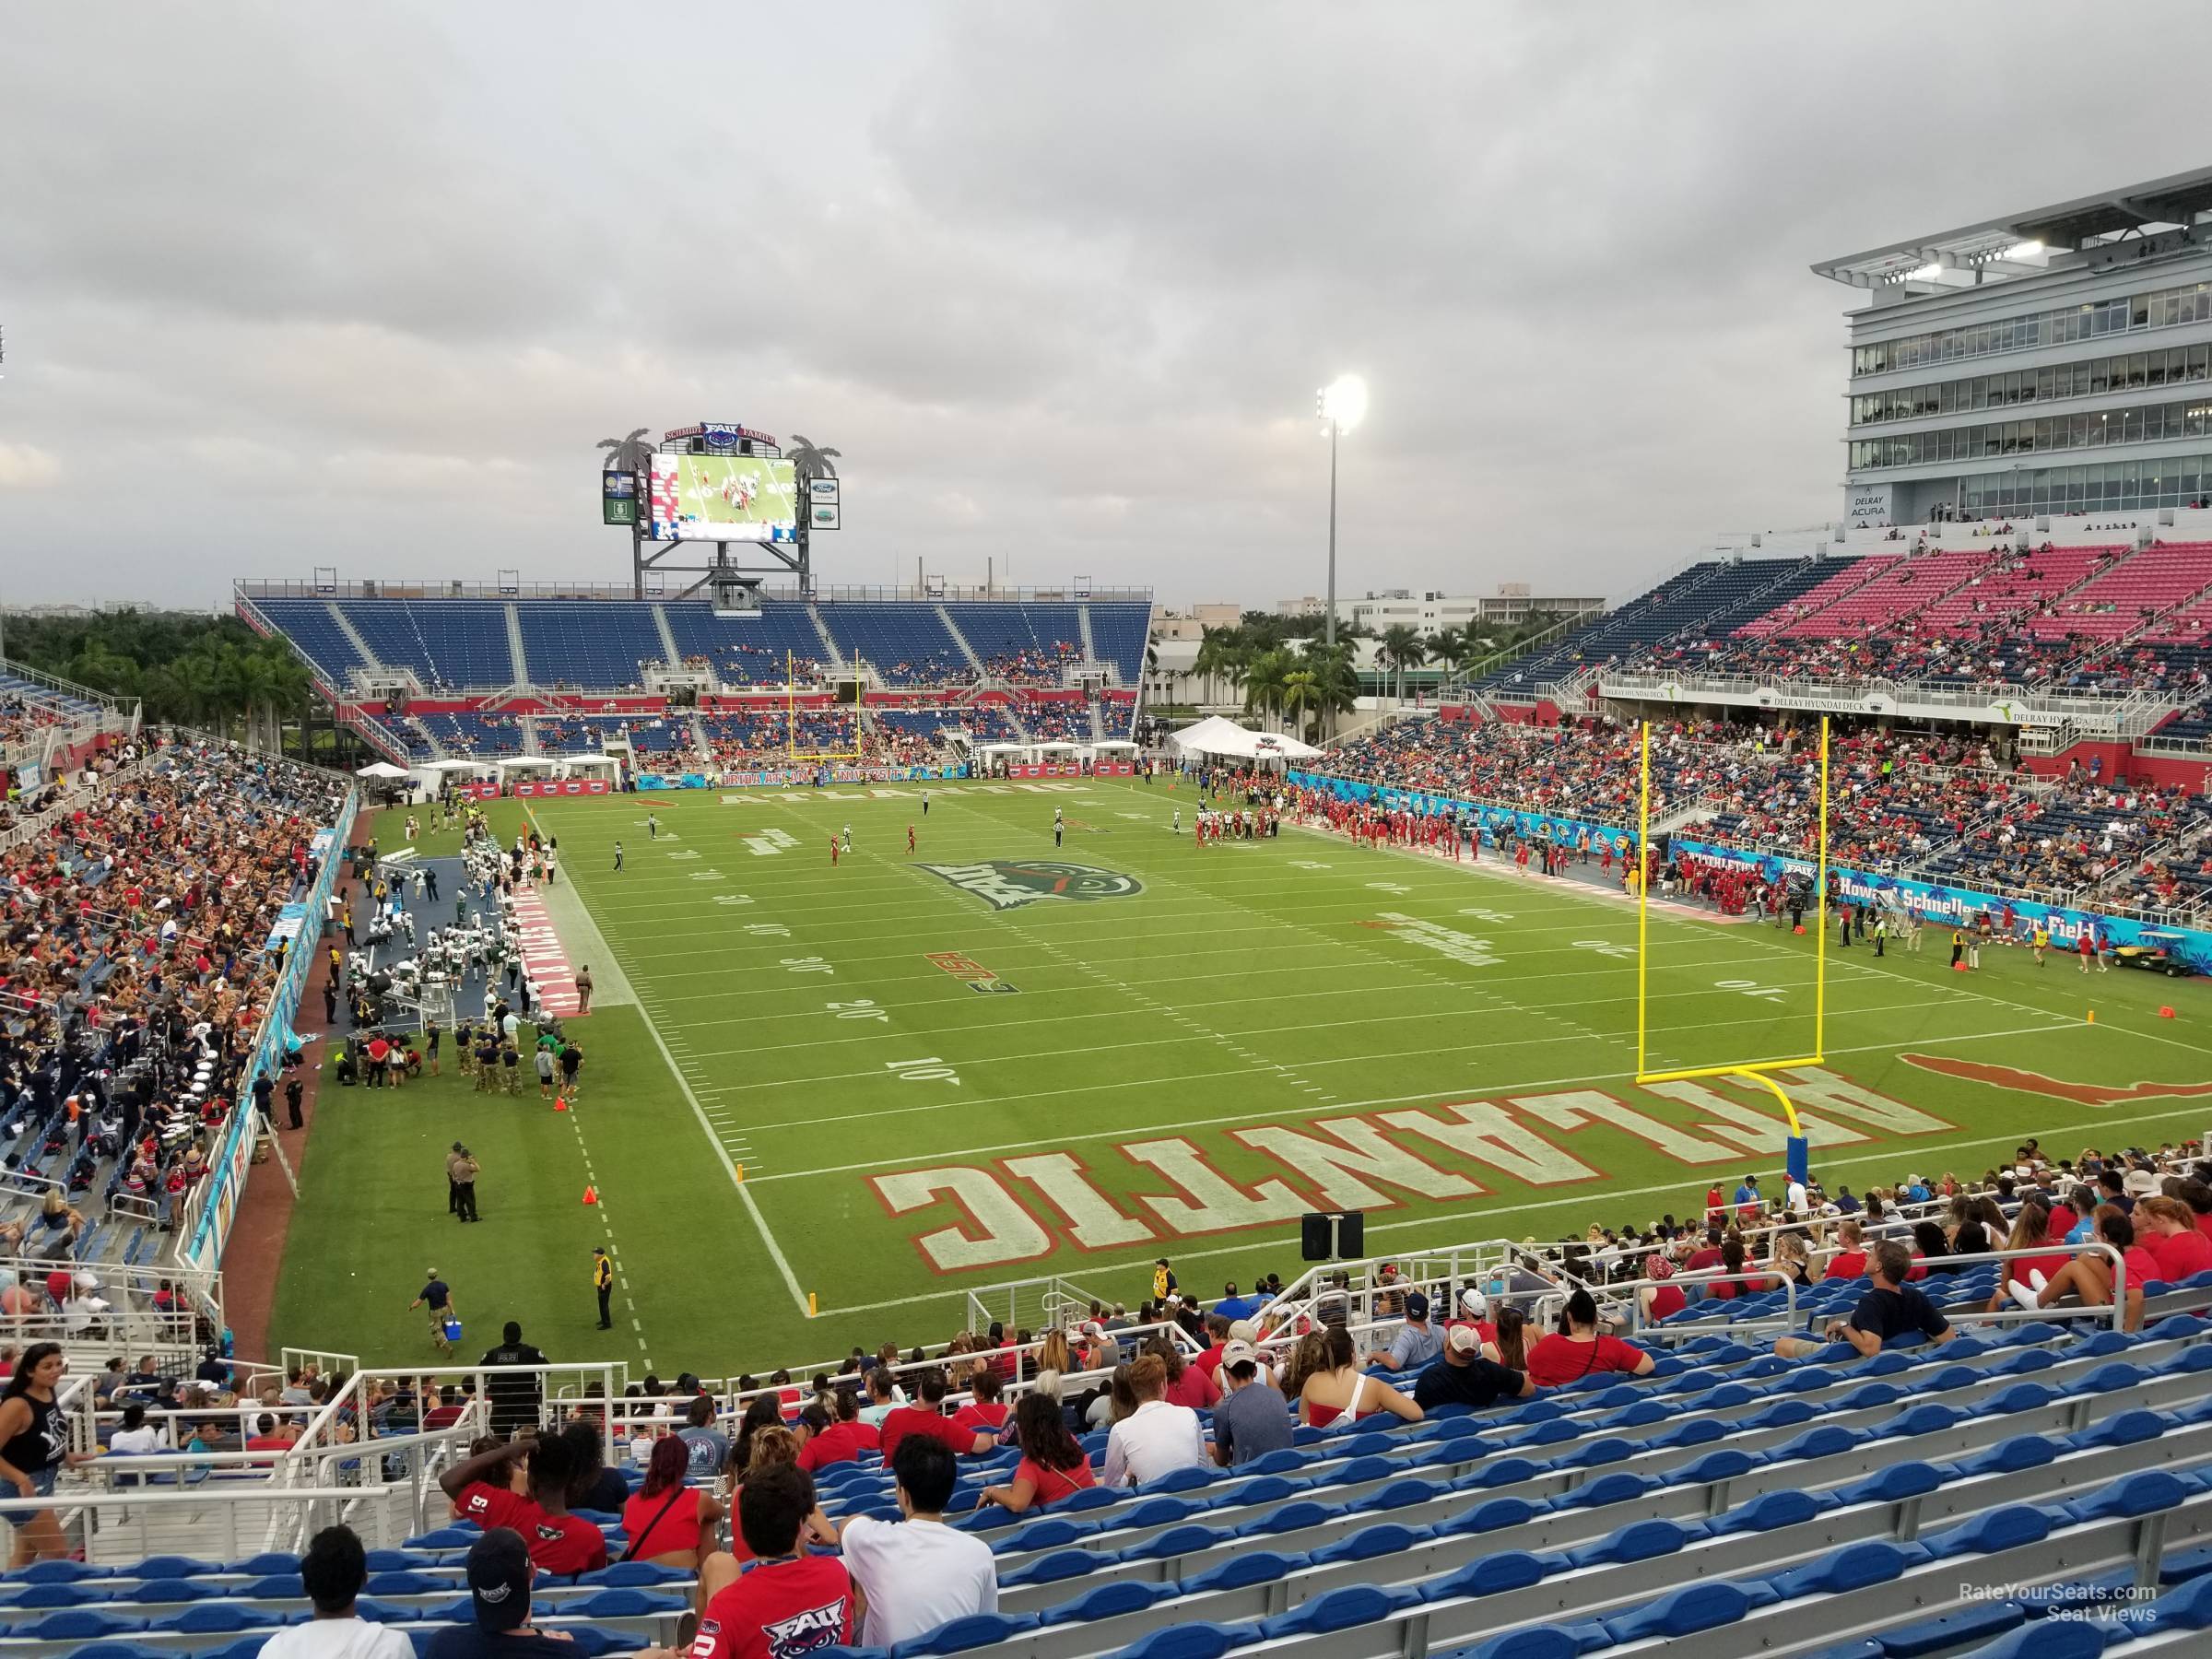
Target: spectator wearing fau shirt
<point x="929" y="1418"/>
<point x="2089" y="1275"/>
<point x="790" y="1601"/>
<point x="2167" y="1229"/>
<point x="499" y="1489"/>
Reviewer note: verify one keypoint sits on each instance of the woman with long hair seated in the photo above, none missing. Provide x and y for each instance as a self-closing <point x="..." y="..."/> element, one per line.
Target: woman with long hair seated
<point x="2089" y="1276"/>
<point x="1340" y="1390"/>
<point x="1052" y="1465"/>
<point x="1577" y="1348"/>
<point x="669" y="1523"/>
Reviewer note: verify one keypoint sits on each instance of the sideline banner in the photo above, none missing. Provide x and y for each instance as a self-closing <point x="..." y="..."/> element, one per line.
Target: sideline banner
<point x="789" y="777"/>
<point x="546" y="789"/>
<point x="1538" y="826"/>
<point x="227" y="1167"/>
<point x="477" y="792"/>
<point x="1958" y="907"/>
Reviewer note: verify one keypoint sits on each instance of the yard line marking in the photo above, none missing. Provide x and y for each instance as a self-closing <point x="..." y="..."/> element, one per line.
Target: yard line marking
<point x="1469" y="1091"/>
<point x="775" y="1251"/>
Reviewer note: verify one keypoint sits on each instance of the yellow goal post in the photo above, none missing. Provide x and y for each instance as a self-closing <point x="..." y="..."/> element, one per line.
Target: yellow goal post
<point x="1756" y="1071"/>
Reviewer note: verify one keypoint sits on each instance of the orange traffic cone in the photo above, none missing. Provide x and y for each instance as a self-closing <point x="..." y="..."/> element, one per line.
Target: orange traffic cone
<point x="2165" y="1013"/>
<point x="591" y="1194"/>
<point x="1797" y="929"/>
<point x="560" y="1102"/>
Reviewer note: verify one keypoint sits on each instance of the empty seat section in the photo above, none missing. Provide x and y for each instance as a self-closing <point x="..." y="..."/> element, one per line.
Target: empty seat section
<point x="746" y="650"/>
<point x="1904" y="588"/>
<point x="452" y="644"/>
<point x="2022" y="583"/>
<point x="309" y="624"/>
<point x="906" y="644"/>
<point x="600" y="645"/>
<point x="1027" y="644"/>
<point x="2132" y="593"/>
<point x="1118" y="635"/>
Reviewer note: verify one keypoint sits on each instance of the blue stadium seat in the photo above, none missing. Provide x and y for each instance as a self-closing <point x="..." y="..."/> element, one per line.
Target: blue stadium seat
<point x="960" y="1635"/>
<point x="1684" y="1612"/>
<point x="1107" y="1601"/>
<point x="1243" y="1568"/>
<point x="1340" y="1609"/>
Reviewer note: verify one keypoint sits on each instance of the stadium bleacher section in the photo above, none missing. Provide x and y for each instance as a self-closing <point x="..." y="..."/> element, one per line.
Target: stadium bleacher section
<point x="449" y="644"/>
<point x="746" y="650"/>
<point x="906" y="644"/>
<point x="149" y="905"/>
<point x="581" y="643"/>
<point x="2020" y="1471"/>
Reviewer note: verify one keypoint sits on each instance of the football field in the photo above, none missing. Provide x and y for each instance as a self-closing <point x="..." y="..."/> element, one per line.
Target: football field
<point x="869" y="1085"/>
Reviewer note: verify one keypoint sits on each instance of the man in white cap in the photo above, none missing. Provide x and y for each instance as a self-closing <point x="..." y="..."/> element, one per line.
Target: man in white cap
<point x="1252" y="1418"/>
<point x="1475" y="1314"/>
<point x="1460" y="1375"/>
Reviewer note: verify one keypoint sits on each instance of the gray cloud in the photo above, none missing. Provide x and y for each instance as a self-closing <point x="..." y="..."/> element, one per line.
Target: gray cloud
<point x="287" y="286"/>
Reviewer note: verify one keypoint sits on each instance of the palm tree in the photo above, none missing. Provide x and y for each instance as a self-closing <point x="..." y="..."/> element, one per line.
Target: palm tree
<point x="1222" y="656"/>
<point x="1302" y="692"/>
<point x="1337" y="683"/>
<point x="1264" y="677"/>
<point x="629" y="454"/>
<point x="1401" y="649"/>
<point x="809" y="462"/>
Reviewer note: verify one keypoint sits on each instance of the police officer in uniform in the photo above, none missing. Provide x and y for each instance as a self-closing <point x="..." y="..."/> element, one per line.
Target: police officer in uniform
<point x="602" y="1281"/>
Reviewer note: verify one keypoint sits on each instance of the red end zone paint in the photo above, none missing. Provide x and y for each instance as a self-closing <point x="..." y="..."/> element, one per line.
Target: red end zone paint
<point x="542" y="954"/>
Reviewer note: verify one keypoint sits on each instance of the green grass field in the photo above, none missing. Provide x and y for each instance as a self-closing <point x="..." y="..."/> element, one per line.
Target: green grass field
<point x="1195" y="1047"/>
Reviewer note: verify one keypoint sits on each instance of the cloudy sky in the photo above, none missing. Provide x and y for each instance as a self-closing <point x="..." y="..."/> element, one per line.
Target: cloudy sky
<point x="288" y="286"/>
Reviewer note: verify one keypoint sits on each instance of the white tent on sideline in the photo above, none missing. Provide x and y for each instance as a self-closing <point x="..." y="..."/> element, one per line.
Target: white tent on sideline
<point x="1214" y="735"/>
<point x="379" y="769"/>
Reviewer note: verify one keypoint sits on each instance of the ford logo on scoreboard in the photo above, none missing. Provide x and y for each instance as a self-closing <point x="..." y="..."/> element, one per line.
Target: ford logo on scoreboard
<point x="822" y="490"/>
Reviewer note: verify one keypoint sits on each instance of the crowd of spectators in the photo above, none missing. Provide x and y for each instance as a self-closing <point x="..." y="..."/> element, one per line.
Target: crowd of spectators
<point x="1951" y="807"/>
<point x="1032" y="665"/>
<point x="139" y="951"/>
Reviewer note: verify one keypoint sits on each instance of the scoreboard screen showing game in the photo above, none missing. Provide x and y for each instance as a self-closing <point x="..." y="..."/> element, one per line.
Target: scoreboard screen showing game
<point x="721" y="497"/>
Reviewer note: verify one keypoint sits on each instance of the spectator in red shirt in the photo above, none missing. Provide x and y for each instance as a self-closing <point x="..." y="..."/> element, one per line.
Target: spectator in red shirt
<point x="1850" y="1260"/>
<point x="790" y="1602"/>
<point x="2199" y="1197"/>
<point x="2030" y="1229"/>
<point x="270" y="1436"/>
<point x="495" y="1488"/>
<point x="2167" y="1229"/>
<point x="1052" y="1465"/>
<point x="1576" y="1349"/>
<point x="668" y="1522"/>
<point x="1187" y="1385"/>
<point x="2089" y="1275"/>
<point x="929" y="1418"/>
<point x="986" y="1411"/>
<point x="843" y="1441"/>
<point x="1661" y="1300"/>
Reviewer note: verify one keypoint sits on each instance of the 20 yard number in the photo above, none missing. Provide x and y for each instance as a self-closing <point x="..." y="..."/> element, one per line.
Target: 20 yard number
<point x="865" y="1008"/>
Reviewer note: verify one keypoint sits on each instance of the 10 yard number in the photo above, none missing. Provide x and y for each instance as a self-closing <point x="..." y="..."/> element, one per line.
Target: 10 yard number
<point x="932" y="1070"/>
<point x="1751" y="988"/>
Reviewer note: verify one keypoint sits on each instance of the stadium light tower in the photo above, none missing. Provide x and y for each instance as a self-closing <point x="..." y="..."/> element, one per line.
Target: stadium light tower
<point x="1341" y="405"/>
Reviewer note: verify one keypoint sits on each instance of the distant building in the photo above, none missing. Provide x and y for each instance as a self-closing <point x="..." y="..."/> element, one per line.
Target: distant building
<point x="2055" y="361"/>
<point x="1431" y="613"/>
<point x="1192" y="624"/>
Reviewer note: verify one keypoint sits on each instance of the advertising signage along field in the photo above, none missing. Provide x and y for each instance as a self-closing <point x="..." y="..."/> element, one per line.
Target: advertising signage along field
<point x="721" y="497"/>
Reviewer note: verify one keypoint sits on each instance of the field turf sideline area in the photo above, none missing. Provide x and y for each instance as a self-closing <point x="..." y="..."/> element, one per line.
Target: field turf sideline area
<point x="993" y="1058"/>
